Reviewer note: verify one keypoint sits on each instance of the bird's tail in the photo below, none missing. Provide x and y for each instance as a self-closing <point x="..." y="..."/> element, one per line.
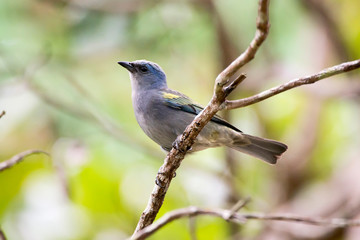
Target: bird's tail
<point x="264" y="149"/>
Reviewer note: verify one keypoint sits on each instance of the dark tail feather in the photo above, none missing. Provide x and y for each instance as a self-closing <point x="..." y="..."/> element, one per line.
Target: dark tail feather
<point x="264" y="149"/>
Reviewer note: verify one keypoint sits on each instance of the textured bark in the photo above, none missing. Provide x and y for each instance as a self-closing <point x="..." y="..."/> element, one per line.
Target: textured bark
<point x="18" y="158"/>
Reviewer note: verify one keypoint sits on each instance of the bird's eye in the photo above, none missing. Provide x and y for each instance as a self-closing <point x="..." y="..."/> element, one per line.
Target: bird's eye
<point x="143" y="69"/>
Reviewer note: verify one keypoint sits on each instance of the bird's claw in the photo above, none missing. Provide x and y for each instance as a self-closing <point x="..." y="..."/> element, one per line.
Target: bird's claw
<point x="158" y="181"/>
<point x="176" y="145"/>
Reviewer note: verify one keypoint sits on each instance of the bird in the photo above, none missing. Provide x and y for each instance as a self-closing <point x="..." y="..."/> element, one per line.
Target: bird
<point x="163" y="114"/>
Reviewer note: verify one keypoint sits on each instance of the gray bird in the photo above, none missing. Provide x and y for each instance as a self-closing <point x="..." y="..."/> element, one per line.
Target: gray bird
<point x="163" y="114"/>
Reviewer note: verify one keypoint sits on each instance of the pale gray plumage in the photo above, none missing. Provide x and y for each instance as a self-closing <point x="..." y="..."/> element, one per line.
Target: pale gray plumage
<point x="163" y="114"/>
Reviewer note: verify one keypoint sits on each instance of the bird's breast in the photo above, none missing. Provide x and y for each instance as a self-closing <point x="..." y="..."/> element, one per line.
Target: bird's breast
<point x="155" y="118"/>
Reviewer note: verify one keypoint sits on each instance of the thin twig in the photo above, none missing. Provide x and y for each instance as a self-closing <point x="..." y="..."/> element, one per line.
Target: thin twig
<point x="18" y="158"/>
<point x="186" y="140"/>
<point x="239" y="205"/>
<point x="2" y="114"/>
<point x="234" y="84"/>
<point x="241" y="219"/>
<point x="328" y="72"/>
<point x="334" y="222"/>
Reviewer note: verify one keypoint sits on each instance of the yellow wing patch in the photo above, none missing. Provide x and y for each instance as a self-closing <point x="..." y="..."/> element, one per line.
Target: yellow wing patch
<point x="170" y="96"/>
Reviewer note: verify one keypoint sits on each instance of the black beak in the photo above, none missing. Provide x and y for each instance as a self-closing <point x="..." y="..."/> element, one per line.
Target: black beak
<point x="128" y="65"/>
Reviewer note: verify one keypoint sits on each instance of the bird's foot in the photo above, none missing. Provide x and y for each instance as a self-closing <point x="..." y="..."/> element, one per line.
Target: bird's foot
<point x="164" y="173"/>
<point x="176" y="145"/>
<point x="158" y="181"/>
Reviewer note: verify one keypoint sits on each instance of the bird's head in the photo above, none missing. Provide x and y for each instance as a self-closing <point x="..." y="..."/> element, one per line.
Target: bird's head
<point x="145" y="75"/>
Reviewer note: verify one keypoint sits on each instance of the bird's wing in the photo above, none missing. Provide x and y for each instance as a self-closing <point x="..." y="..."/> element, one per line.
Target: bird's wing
<point x="181" y="102"/>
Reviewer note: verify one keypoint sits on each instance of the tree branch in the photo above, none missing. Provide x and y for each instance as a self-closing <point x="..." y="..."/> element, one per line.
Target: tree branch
<point x="2" y="114"/>
<point x="328" y="72"/>
<point x="241" y="219"/>
<point x="18" y="158"/>
<point x="186" y="140"/>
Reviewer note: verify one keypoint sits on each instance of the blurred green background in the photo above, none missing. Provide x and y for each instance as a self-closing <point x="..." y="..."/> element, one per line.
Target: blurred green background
<point x="64" y="93"/>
